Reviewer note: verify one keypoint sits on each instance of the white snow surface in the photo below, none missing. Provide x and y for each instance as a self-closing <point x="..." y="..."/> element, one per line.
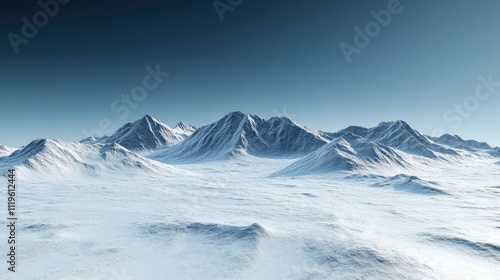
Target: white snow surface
<point x="185" y="129"/>
<point x="5" y="151"/>
<point x="232" y="221"/>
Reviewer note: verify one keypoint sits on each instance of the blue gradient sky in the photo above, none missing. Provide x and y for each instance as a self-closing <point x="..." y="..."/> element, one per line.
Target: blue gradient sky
<point x="264" y="56"/>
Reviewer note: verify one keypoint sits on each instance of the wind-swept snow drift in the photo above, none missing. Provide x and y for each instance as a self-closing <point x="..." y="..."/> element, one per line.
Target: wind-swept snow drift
<point x="411" y="184"/>
<point x="226" y="233"/>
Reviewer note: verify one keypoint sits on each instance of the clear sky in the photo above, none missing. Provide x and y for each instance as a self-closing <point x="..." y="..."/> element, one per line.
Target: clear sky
<point x="263" y="57"/>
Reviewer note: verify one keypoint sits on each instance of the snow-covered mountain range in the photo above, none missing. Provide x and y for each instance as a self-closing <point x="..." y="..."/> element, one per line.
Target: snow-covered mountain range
<point x="55" y="158"/>
<point x="347" y="153"/>
<point x="145" y="134"/>
<point x="239" y="133"/>
<point x="253" y="198"/>
<point x="401" y="136"/>
<point x="390" y="145"/>
<point x="5" y="151"/>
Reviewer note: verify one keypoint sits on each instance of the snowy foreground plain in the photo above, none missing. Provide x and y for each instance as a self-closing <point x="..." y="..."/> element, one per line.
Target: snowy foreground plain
<point x="240" y="218"/>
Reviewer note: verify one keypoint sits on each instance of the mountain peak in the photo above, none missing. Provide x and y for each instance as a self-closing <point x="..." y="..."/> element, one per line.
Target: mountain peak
<point x="146" y="133"/>
<point x="349" y="136"/>
<point x="113" y="148"/>
<point x="406" y="126"/>
<point x="43" y="142"/>
<point x="456" y="141"/>
<point x="5" y="151"/>
<point x="235" y="115"/>
<point x="283" y="119"/>
<point x="399" y="126"/>
<point x="396" y="124"/>
<point x="238" y="132"/>
<point x="400" y="135"/>
<point x="148" y="119"/>
<point x="185" y="127"/>
<point x="182" y="125"/>
<point x="56" y="158"/>
<point x="348" y="152"/>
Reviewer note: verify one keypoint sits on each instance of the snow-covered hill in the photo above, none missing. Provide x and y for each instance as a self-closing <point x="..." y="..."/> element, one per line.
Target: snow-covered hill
<point x="145" y="134"/>
<point x="53" y="158"/>
<point x="347" y="153"/>
<point x="239" y="133"/>
<point x="393" y="147"/>
<point x="5" y="151"/>
<point x="401" y="136"/>
<point x="185" y="129"/>
<point x="472" y="146"/>
<point x="456" y="142"/>
<point x="411" y="184"/>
